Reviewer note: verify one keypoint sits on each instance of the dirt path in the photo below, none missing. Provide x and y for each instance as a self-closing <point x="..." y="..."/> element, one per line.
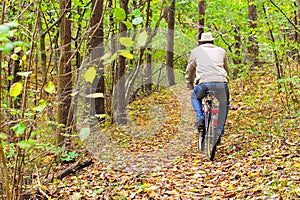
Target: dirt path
<point x="246" y="166"/>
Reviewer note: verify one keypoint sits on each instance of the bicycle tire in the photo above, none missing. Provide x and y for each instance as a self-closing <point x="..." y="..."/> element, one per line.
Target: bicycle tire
<point x="211" y="122"/>
<point x="201" y="139"/>
<point x="211" y="145"/>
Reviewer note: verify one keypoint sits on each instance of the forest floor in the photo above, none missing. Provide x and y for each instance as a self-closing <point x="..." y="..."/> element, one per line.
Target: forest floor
<point x="258" y="157"/>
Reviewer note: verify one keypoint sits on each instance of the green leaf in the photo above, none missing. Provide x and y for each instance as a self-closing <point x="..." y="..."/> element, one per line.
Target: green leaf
<point x="136" y="13"/>
<point x="100" y="116"/>
<point x="16" y="89"/>
<point x="76" y="3"/>
<point x="3" y="136"/>
<point x="142" y="39"/>
<point x="4" y="29"/>
<point x="42" y="105"/>
<point x="25" y="74"/>
<point x="8" y="47"/>
<point x="19" y="129"/>
<point x="14" y="57"/>
<point x="128" y="24"/>
<point x="90" y="74"/>
<point x="119" y="14"/>
<point x="95" y="95"/>
<point x="26" y="144"/>
<point x="17" y="49"/>
<point x="84" y="133"/>
<point x="137" y="21"/>
<point x="126" y="41"/>
<point x="50" y="87"/>
<point x="126" y="54"/>
<point x="10" y="78"/>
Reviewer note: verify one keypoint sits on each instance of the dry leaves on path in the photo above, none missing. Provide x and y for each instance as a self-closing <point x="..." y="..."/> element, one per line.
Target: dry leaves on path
<point x="258" y="157"/>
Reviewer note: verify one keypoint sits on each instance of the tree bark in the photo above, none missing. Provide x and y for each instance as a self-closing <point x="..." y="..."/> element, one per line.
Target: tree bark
<point x="120" y="76"/>
<point x="64" y="115"/>
<point x="237" y="52"/>
<point x="148" y="67"/>
<point x="297" y="32"/>
<point x="253" y="49"/>
<point x="201" y="15"/>
<point x="170" y="78"/>
<point x="97" y="50"/>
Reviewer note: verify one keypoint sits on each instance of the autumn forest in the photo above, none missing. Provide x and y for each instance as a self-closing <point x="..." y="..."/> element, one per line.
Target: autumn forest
<point x="94" y="105"/>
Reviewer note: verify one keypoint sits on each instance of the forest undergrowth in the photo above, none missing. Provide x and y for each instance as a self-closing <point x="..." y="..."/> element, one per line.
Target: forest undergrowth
<point x="258" y="157"/>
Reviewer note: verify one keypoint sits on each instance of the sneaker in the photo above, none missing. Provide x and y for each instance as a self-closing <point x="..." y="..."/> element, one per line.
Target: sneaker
<point x="201" y="131"/>
<point x="199" y="123"/>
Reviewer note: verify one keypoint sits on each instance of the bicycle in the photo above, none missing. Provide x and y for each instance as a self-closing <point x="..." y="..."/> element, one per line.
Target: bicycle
<point x="208" y="139"/>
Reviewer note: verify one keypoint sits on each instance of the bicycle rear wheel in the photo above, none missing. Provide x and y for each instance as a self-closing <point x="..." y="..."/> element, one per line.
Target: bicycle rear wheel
<point x="210" y="141"/>
<point x="211" y="129"/>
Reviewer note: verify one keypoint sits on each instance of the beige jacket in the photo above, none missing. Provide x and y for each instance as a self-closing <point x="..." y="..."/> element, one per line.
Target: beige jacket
<point x="210" y="64"/>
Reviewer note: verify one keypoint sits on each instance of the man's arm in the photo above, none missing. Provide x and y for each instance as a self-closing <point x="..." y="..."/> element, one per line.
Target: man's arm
<point x="226" y="65"/>
<point x="190" y="74"/>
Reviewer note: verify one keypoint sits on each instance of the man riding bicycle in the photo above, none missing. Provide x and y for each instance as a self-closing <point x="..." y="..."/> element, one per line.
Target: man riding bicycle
<point x="207" y="70"/>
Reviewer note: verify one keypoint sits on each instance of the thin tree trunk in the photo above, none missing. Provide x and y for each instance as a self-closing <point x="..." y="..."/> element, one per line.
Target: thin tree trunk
<point x="148" y="67"/>
<point x="97" y="50"/>
<point x="201" y="15"/>
<point x="120" y="104"/>
<point x="253" y="44"/>
<point x="170" y="78"/>
<point x="111" y="31"/>
<point x="64" y="115"/>
<point x="237" y="52"/>
<point x="297" y="38"/>
<point x="4" y="168"/>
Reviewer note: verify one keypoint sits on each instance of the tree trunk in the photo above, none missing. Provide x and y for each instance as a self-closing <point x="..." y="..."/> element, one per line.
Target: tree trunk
<point x="237" y="52"/>
<point x="120" y="76"/>
<point x="97" y="50"/>
<point x="148" y="67"/>
<point x="201" y="15"/>
<point x="170" y="78"/>
<point x="4" y="168"/>
<point x="253" y="44"/>
<point x="297" y="38"/>
<point x="64" y="115"/>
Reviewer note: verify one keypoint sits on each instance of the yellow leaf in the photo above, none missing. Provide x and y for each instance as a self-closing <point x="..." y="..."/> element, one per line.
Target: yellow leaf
<point x="24" y="58"/>
<point x="14" y="56"/>
<point x="95" y="95"/>
<point x="253" y="144"/>
<point x="90" y="74"/>
<point x="126" y="54"/>
<point x="16" y="89"/>
<point x="126" y="41"/>
<point x="50" y="87"/>
<point x="231" y="187"/>
<point x="297" y="164"/>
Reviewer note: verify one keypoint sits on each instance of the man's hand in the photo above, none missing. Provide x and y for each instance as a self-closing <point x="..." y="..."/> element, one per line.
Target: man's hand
<point x="189" y="86"/>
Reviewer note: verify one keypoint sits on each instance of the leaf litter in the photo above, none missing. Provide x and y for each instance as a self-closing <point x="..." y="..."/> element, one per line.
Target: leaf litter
<point x="258" y="157"/>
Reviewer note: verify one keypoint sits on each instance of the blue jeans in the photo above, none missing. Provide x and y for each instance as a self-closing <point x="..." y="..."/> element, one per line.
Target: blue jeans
<point x="221" y="92"/>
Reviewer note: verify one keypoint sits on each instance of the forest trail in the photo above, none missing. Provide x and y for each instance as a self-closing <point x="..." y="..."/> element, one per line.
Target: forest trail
<point x="254" y="160"/>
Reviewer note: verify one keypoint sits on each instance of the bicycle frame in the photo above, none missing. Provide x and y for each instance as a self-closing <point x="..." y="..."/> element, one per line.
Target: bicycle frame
<point x="207" y="140"/>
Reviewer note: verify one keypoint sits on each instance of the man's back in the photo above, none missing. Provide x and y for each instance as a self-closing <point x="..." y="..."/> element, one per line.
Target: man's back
<point x="210" y="62"/>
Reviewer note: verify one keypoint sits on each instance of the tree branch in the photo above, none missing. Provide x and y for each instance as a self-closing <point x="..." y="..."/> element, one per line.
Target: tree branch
<point x="284" y="15"/>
